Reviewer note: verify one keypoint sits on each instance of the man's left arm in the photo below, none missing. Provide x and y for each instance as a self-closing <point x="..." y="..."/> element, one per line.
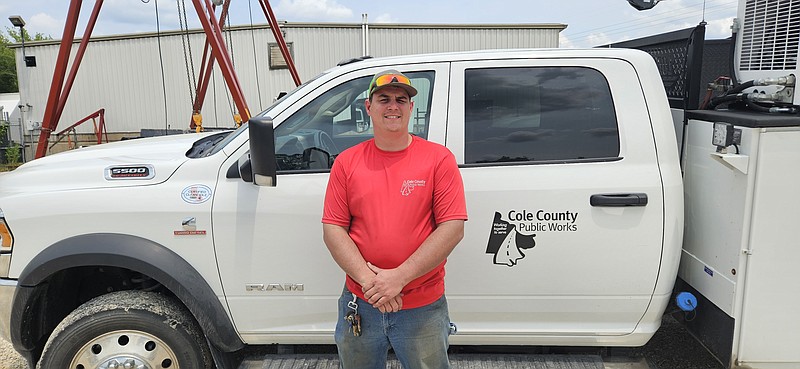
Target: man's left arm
<point x="432" y="252"/>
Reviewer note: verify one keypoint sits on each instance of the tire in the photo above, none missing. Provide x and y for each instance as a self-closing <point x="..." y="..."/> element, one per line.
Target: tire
<point x="145" y="329"/>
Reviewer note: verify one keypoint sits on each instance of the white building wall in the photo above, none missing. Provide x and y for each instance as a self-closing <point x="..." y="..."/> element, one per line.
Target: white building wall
<point x="400" y="40"/>
<point x="122" y="74"/>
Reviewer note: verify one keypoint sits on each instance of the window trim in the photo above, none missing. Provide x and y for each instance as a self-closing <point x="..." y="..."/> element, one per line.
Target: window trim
<point x="542" y="162"/>
<point x="428" y="72"/>
<point x="593" y="69"/>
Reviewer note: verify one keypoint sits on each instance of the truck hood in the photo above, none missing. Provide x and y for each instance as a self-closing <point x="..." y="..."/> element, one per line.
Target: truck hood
<point x="91" y="167"/>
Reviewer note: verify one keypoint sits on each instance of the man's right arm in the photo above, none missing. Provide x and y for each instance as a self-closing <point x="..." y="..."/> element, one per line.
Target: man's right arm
<point x="346" y="254"/>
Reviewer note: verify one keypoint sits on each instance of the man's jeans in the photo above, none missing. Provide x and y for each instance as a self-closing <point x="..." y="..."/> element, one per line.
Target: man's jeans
<point x="418" y="336"/>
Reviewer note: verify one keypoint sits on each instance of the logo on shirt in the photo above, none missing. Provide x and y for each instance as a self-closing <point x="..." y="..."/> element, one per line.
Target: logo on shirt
<point x="410" y="184"/>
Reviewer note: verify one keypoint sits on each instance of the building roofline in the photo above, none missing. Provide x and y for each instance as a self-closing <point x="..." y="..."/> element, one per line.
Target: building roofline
<point x="284" y="24"/>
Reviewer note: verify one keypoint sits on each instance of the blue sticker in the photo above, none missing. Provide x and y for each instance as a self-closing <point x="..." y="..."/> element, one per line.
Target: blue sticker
<point x="708" y="271"/>
<point x="196" y="194"/>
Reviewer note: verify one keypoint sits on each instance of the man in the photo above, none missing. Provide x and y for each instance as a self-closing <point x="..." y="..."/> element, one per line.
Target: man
<point x="394" y="210"/>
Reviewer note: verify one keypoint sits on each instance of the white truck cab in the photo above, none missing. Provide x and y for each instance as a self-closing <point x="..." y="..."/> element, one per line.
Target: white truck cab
<point x="573" y="188"/>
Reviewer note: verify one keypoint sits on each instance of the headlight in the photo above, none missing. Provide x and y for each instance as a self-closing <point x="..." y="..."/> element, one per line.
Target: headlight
<point x="6" y="239"/>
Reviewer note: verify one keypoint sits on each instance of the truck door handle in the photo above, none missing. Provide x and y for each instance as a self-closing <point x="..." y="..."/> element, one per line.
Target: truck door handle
<point x="619" y="199"/>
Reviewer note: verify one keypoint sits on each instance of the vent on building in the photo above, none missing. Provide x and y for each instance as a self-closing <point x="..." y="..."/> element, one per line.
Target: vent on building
<point x="276" y="60"/>
<point x="770" y="35"/>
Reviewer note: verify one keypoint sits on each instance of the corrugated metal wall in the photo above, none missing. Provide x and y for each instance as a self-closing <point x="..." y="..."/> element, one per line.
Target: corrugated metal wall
<point x="123" y="74"/>
<point x="399" y="40"/>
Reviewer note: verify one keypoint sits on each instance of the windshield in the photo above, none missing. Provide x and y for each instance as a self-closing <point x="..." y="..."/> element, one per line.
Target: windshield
<point x="232" y="136"/>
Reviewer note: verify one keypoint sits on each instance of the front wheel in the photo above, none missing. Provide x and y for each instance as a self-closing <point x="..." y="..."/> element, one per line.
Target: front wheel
<point x="127" y="329"/>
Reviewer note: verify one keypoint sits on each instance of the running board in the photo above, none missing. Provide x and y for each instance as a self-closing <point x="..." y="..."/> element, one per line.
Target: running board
<point x="457" y="361"/>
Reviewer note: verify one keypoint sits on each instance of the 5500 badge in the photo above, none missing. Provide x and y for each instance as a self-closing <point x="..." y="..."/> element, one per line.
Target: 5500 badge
<point x="130" y="172"/>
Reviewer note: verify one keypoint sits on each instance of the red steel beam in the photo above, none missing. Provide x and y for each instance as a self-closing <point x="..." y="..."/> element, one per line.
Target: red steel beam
<point x="102" y="129"/>
<point x="59" y="91"/>
<point x="98" y="131"/>
<point x="205" y="74"/>
<point x="49" y="122"/>
<point x="78" y="58"/>
<point x="214" y="35"/>
<point x="276" y="31"/>
<point x="98" y="114"/>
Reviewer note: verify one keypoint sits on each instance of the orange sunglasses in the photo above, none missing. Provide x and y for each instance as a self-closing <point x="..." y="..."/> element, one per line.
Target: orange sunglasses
<point x="387" y="79"/>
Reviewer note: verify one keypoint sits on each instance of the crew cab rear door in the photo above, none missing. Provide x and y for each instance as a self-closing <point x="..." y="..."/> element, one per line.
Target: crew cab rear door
<point x="564" y="198"/>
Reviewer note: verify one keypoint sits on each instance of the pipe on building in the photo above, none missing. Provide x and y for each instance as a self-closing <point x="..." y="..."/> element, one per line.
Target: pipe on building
<point x="364" y="35"/>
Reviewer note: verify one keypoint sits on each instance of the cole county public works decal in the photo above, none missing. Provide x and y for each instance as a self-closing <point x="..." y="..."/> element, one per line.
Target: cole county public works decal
<point x="509" y="237"/>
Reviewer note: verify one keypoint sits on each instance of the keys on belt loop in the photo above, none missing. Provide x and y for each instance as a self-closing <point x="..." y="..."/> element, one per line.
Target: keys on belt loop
<point x="353" y="318"/>
<point x="353" y="305"/>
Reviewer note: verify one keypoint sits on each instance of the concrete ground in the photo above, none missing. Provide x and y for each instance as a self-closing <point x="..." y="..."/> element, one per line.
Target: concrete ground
<point x="9" y="359"/>
<point x="672" y="347"/>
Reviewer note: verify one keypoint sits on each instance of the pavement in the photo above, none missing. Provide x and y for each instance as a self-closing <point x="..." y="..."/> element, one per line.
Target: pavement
<point x="672" y="347"/>
<point x="9" y="359"/>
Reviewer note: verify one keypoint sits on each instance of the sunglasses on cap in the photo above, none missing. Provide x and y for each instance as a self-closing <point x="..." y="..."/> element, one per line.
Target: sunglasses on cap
<point x="392" y="79"/>
<point x="389" y="78"/>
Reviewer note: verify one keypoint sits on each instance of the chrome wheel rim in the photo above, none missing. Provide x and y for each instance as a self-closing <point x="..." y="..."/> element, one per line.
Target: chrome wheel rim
<point x="125" y="349"/>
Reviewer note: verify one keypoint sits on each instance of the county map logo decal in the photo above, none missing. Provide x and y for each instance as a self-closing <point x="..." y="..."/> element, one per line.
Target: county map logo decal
<point x="510" y="237"/>
<point x="506" y="243"/>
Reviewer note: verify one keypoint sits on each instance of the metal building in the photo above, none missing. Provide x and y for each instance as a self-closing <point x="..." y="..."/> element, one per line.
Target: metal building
<point x="123" y="74"/>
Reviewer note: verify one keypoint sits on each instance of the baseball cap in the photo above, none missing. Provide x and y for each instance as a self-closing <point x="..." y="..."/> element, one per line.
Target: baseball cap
<point x="391" y="77"/>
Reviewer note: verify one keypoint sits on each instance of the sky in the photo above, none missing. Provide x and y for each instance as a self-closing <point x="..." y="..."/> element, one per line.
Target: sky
<point x="589" y="22"/>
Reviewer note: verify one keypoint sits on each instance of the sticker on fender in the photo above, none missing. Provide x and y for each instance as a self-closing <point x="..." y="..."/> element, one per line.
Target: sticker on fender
<point x="196" y="194"/>
<point x="190" y="233"/>
<point x="189" y="225"/>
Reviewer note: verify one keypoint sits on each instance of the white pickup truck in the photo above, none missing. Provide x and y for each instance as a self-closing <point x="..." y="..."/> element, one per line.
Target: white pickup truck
<point x="180" y="250"/>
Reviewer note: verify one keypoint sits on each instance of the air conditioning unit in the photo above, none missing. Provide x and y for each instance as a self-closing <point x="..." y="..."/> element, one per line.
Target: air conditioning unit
<point x="768" y="42"/>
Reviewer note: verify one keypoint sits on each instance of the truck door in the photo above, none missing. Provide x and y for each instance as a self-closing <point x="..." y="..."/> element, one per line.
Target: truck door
<point x="540" y="142"/>
<point x="279" y="279"/>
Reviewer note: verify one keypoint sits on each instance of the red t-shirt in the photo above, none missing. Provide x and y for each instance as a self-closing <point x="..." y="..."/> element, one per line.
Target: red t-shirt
<point x="392" y="201"/>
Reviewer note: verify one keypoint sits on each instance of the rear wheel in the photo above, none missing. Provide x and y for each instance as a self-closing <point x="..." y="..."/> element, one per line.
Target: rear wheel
<point x="127" y="329"/>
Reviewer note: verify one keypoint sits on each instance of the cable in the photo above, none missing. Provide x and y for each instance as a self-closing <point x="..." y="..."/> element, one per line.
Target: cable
<point x="233" y="59"/>
<point x="704" y="10"/>
<point x="255" y="54"/>
<point x="741" y="87"/>
<point x="667" y="17"/>
<point x="732" y="55"/>
<point x="214" y="86"/>
<point x="662" y="18"/>
<point x="724" y="99"/>
<point x="187" y="59"/>
<point x="230" y="40"/>
<point x="163" y="78"/>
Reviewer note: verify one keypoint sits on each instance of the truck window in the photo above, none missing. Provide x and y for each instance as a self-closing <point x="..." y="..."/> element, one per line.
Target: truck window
<point x="337" y="120"/>
<point x="538" y="114"/>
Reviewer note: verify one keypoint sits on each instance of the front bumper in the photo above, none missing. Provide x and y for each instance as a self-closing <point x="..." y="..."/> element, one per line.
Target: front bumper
<point x="7" y="289"/>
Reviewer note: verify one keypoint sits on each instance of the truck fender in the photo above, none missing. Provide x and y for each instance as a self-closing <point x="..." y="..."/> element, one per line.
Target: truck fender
<point x="133" y="253"/>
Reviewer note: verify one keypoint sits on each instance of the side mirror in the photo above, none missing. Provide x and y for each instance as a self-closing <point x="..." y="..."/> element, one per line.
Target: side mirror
<point x="362" y="126"/>
<point x="262" y="151"/>
<point x="241" y="169"/>
<point x="643" y="4"/>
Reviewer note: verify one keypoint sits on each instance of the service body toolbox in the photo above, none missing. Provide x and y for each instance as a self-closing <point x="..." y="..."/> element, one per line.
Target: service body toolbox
<point x="741" y="236"/>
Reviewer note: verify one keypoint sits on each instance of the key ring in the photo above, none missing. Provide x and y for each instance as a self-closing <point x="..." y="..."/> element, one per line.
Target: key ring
<point x="352" y="304"/>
